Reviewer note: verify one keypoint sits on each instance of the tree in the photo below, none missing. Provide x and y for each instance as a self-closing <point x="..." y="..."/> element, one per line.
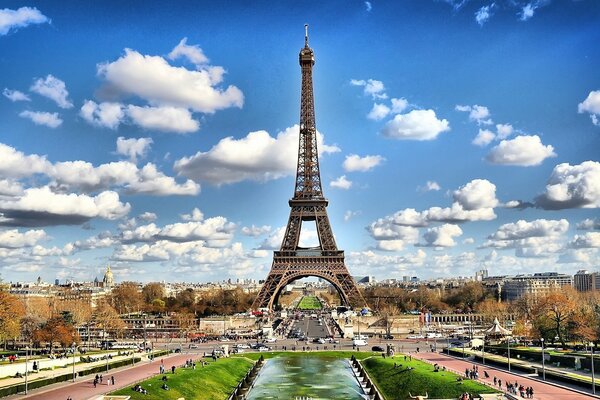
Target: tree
<point x="491" y="309"/>
<point x="552" y="313"/>
<point x="107" y="318"/>
<point x="56" y="329"/>
<point x="11" y="312"/>
<point x="387" y="315"/>
<point x="153" y="291"/>
<point x="186" y="321"/>
<point x="126" y="298"/>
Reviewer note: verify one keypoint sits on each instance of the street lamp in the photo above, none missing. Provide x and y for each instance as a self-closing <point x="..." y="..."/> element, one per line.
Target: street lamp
<point x="508" y="347"/>
<point x="592" y="362"/>
<point x="26" y="367"/>
<point x="73" y="361"/>
<point x="483" y="351"/>
<point x="543" y="361"/>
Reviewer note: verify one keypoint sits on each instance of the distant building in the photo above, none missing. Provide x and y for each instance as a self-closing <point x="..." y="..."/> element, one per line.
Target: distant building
<point x="108" y="281"/>
<point x="538" y="283"/>
<point x="585" y="281"/>
<point x="481" y="275"/>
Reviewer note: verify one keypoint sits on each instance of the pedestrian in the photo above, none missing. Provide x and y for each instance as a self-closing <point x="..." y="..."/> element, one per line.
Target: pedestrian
<point x="495" y="381"/>
<point x="172" y="369"/>
<point x="95" y="382"/>
<point x="500" y="384"/>
<point x="100" y="378"/>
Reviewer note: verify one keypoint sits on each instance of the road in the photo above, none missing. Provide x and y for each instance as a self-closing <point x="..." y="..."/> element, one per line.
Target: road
<point x="542" y="391"/>
<point x="84" y="387"/>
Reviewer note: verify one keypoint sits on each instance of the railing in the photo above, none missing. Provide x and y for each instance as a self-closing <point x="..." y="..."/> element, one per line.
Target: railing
<point x="365" y="380"/>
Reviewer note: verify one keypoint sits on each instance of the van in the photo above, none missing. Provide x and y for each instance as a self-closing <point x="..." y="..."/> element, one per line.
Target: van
<point x="359" y="342"/>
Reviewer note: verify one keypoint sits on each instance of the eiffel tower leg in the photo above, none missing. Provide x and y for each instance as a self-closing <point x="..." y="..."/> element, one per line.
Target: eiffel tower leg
<point x="267" y="292"/>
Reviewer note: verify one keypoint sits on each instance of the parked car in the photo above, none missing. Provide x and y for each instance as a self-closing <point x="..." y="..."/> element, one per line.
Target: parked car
<point x="388" y="336"/>
<point x="263" y="348"/>
<point x="377" y="348"/>
<point x="359" y="342"/>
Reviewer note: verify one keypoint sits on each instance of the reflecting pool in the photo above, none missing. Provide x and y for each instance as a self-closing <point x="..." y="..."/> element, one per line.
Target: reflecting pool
<point x="315" y="377"/>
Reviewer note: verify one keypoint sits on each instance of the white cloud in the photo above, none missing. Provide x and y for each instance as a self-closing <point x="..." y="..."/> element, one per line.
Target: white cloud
<point x="149" y="216"/>
<point x="585" y="241"/>
<point x="341" y="183"/>
<point x="441" y="236"/>
<point x="147" y="180"/>
<point x="429" y="186"/>
<point x="274" y="240"/>
<point x="468" y="240"/>
<point x="415" y="125"/>
<point x="521" y="151"/>
<point x="20" y="18"/>
<point x="483" y="14"/>
<point x="591" y="105"/>
<point x="354" y="163"/>
<point x="588" y="224"/>
<point x="256" y="231"/>
<point x="13" y="239"/>
<point x="165" y="119"/>
<point x="51" y="120"/>
<point x="54" y="89"/>
<point x="503" y="131"/>
<point x="16" y="164"/>
<point x="41" y="206"/>
<point x="9" y="187"/>
<point x="572" y="186"/>
<point x="258" y="157"/>
<point x="484" y="137"/>
<point x="390" y="245"/>
<point x="196" y="215"/>
<point x="349" y="214"/>
<point x="152" y="78"/>
<point x="524" y="229"/>
<point x="477" y="194"/>
<point x="193" y="53"/>
<point x="512" y="204"/>
<point x="372" y="87"/>
<point x="399" y="105"/>
<point x="378" y="112"/>
<point x="133" y="148"/>
<point x="106" y="114"/>
<point x="368" y="6"/>
<point x="15" y="95"/>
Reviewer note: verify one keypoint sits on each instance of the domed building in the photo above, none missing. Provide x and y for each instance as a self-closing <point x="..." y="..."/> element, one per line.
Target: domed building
<point x="108" y="280"/>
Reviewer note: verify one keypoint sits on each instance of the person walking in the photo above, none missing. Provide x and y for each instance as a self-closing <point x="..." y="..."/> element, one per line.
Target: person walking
<point x="112" y="380"/>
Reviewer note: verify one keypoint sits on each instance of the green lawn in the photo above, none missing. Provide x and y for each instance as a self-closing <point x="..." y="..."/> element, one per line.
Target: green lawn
<point x="216" y="381"/>
<point x="309" y="303"/>
<point x="396" y="383"/>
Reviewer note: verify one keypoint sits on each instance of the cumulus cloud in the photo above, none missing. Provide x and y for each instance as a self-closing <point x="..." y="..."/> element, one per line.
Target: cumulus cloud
<point x="572" y="186"/>
<point x="353" y="163"/>
<point x="521" y="151"/>
<point x="13" y="239"/>
<point x="341" y="183"/>
<point x="441" y="236"/>
<point x="255" y="231"/>
<point x="105" y="115"/>
<point x="378" y="112"/>
<point x="415" y="125"/>
<point x="591" y="105"/>
<point x="16" y="164"/>
<point x="368" y="6"/>
<point x="484" y="137"/>
<point x="51" y="120"/>
<point x="15" y="95"/>
<point x="372" y="87"/>
<point x="165" y="119"/>
<point x="20" y="18"/>
<point x="42" y="207"/>
<point x="477" y="113"/>
<point x="193" y="53"/>
<point x="429" y="186"/>
<point x="133" y="148"/>
<point x="349" y="214"/>
<point x="257" y="156"/>
<point x="585" y="241"/>
<point x="195" y="215"/>
<point x="54" y="89"/>
<point x="474" y="201"/>
<point x="399" y="105"/>
<point x="589" y="224"/>
<point x="153" y="79"/>
<point x="10" y="187"/>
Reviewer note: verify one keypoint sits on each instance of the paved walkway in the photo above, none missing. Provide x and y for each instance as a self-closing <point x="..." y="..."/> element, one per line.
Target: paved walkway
<point x="543" y="391"/>
<point x="84" y="388"/>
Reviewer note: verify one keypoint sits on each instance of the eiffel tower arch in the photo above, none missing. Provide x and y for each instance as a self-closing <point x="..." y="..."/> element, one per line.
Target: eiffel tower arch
<point x="325" y="261"/>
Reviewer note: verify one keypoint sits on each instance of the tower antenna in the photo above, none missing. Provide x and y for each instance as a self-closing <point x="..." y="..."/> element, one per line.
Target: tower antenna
<point x="305" y="35"/>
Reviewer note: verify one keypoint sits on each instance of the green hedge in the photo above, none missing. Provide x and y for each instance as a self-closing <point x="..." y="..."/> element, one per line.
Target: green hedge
<point x="498" y="363"/>
<point x="19" y="388"/>
<point x="568" y="379"/>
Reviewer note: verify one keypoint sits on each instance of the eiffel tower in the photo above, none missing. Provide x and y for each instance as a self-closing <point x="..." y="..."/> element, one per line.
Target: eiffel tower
<point x="325" y="261"/>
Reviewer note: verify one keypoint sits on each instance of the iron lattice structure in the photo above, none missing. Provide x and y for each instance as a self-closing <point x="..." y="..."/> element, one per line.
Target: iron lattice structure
<point x="325" y="261"/>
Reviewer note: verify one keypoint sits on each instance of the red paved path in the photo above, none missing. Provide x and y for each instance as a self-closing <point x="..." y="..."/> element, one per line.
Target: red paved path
<point x="542" y="391"/>
<point x="84" y="388"/>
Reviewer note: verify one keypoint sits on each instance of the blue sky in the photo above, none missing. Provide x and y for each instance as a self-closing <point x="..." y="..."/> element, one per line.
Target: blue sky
<point x="161" y="139"/>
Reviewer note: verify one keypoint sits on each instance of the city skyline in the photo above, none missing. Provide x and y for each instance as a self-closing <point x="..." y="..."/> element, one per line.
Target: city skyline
<point x="454" y="136"/>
